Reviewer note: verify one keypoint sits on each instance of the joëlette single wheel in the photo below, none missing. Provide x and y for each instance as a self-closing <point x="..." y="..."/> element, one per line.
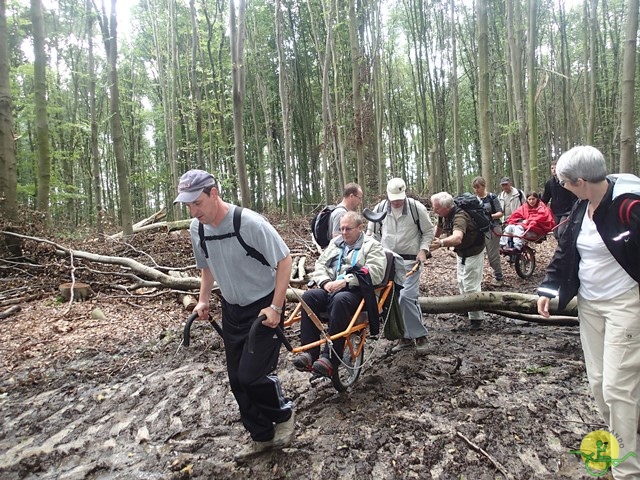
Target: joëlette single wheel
<point x="526" y="262"/>
<point x="349" y="369"/>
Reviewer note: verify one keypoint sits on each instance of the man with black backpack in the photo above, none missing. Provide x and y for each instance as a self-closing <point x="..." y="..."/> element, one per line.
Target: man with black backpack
<point x="326" y="224"/>
<point x="251" y="265"/>
<point x="463" y="234"/>
<point x="406" y="230"/>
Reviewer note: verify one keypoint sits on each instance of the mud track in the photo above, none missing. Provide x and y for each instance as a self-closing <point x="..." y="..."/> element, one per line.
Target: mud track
<point x="519" y="394"/>
<point x="122" y="399"/>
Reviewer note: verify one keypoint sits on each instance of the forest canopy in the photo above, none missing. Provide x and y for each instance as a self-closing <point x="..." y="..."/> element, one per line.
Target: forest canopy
<point x="287" y="101"/>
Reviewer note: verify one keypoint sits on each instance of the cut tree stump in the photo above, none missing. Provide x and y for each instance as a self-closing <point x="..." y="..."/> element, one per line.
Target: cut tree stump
<point x="188" y="301"/>
<point x="81" y="291"/>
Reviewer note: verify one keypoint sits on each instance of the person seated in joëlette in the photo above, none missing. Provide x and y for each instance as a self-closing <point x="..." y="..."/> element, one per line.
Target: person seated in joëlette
<point x="340" y="292"/>
<point x="530" y="221"/>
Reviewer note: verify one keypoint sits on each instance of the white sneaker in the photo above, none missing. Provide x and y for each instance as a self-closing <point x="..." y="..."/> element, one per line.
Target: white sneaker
<point x="253" y="449"/>
<point x="284" y="432"/>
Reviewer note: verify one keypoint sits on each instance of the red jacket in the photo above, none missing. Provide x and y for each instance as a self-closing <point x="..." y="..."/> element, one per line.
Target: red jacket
<point x="538" y="220"/>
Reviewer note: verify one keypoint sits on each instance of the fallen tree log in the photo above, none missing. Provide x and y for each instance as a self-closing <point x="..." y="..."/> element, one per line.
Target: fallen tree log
<point x="10" y="311"/>
<point x="188" y="301"/>
<point x="520" y="306"/>
<point x="166" y="226"/>
<point x="503" y="302"/>
<point x="189" y="283"/>
<point x="556" y="320"/>
<point x="149" y="220"/>
<point x="512" y="301"/>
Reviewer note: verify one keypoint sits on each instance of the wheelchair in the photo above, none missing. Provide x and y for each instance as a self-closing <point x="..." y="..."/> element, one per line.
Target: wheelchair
<point x="355" y="334"/>
<point x="524" y="260"/>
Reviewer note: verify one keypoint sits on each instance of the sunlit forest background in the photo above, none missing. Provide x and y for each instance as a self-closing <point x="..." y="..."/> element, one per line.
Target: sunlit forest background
<point x="104" y="105"/>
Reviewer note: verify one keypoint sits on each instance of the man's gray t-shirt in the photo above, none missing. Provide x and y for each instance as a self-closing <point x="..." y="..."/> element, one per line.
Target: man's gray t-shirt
<point x="334" y="220"/>
<point x="242" y="279"/>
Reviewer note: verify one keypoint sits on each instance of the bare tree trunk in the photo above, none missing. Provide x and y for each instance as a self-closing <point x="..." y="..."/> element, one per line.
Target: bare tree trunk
<point x="263" y="98"/>
<point x="330" y="143"/>
<point x="627" y="132"/>
<point x="378" y="108"/>
<point x="172" y="98"/>
<point x="237" y="20"/>
<point x="514" y="29"/>
<point x="195" y="85"/>
<point x="455" y="101"/>
<point x="356" y="83"/>
<point x="338" y="124"/>
<point x="567" y="129"/>
<point x="95" y="157"/>
<point x="530" y="172"/>
<point x="286" y="113"/>
<point x="110" y="37"/>
<point x="591" y="35"/>
<point x="511" y="111"/>
<point x="484" y="111"/>
<point x="260" y="197"/>
<point x="8" y="172"/>
<point x="40" y="102"/>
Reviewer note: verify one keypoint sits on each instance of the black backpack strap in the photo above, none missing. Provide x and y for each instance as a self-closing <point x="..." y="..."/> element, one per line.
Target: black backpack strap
<point x="237" y="216"/>
<point x="204" y="240"/>
<point x="251" y="252"/>
<point x="492" y="197"/>
<point x="415" y="216"/>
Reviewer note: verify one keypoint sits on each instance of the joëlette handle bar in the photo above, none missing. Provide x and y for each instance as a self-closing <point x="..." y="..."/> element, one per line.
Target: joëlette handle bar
<point x="252" y="335"/>
<point x="186" y="335"/>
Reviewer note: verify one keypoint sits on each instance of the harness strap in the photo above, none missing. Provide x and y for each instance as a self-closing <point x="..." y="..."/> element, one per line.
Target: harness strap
<point x="251" y="252"/>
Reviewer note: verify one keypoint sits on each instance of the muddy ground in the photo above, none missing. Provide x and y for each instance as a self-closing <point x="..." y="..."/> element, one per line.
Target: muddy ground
<point x="121" y="398"/>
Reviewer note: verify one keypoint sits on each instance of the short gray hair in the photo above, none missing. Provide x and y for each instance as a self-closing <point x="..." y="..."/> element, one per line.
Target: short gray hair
<point x="443" y="198"/>
<point x="354" y="218"/>
<point x="583" y="161"/>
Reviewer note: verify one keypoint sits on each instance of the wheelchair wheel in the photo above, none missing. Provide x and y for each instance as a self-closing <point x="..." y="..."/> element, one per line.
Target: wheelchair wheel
<point x="525" y="262"/>
<point x="348" y="372"/>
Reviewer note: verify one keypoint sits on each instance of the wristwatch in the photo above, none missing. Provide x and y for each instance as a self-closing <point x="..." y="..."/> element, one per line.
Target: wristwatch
<point x="441" y="243"/>
<point x="276" y="308"/>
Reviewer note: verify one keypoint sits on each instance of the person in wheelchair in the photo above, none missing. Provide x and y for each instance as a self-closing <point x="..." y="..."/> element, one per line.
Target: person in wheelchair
<point x="529" y="222"/>
<point x="339" y="292"/>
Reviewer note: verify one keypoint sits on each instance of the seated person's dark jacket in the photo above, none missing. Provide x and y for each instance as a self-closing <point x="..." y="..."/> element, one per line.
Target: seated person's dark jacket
<point x="368" y="293"/>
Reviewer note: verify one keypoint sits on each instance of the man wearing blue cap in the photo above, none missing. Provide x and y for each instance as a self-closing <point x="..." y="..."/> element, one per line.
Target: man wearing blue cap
<point x="251" y="265"/>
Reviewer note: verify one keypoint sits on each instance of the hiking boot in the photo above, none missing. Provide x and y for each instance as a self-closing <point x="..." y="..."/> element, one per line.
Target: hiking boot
<point x="253" y="449"/>
<point x="303" y="362"/>
<point x="323" y="367"/>
<point x="284" y="432"/>
<point x="498" y="283"/>
<point x="421" y="345"/>
<point x="402" y="344"/>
